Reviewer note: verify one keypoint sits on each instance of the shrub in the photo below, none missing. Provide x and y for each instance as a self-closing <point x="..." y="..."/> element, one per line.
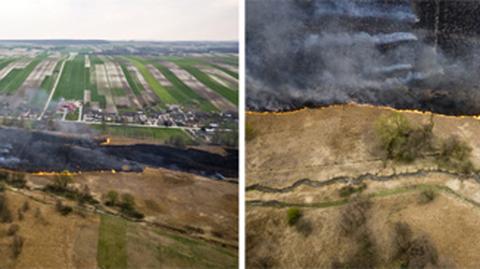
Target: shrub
<point x="455" y="154"/>
<point x="17" y="245"/>
<point x="20" y="214"/>
<point x="112" y="198"/>
<point x="25" y="206"/>
<point x="354" y="215"/>
<point x="127" y="207"/>
<point x="426" y="197"/>
<point x="5" y="213"/>
<point x="128" y="201"/>
<point x="63" y="209"/>
<point x="62" y="181"/>
<point x="13" y="229"/>
<point x="400" y="141"/>
<point x="349" y="190"/>
<point x="293" y="215"/>
<point x="17" y="180"/>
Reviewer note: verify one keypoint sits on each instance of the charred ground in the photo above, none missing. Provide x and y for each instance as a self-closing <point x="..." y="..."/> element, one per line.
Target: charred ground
<point x="34" y="151"/>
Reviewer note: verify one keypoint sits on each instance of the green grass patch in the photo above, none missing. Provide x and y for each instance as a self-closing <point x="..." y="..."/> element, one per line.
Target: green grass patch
<point x="112" y="243"/>
<point x="92" y="86"/>
<point x="119" y="92"/>
<point x="16" y="77"/>
<point x="160" y="134"/>
<point x="94" y="59"/>
<point x="185" y="252"/>
<point x="74" y="80"/>
<point x="190" y="95"/>
<point x="159" y="90"/>
<point x="5" y="62"/>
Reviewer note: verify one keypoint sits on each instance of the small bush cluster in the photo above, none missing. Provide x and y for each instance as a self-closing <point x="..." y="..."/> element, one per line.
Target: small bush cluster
<point x="426" y="197"/>
<point x="293" y="215"/>
<point x="126" y="203"/>
<point x="347" y="191"/>
<point x="5" y="213"/>
<point x="400" y="140"/>
<point x="17" y="245"/>
<point x="412" y="252"/>
<point x="16" y="180"/>
<point x="61" y="186"/>
<point x="455" y="154"/>
<point x="64" y="210"/>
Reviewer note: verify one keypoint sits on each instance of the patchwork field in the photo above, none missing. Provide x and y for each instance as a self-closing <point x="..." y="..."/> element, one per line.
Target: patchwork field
<point x="121" y="83"/>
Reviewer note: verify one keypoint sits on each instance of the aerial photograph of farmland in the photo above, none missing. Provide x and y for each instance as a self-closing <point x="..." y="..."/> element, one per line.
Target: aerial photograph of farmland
<point x="116" y="151"/>
<point x="362" y="134"/>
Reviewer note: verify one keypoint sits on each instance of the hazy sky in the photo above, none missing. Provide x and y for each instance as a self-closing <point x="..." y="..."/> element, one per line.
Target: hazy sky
<point x="120" y="19"/>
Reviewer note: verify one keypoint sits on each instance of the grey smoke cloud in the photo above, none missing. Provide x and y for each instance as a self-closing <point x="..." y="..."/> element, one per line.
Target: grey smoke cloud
<point x="311" y="53"/>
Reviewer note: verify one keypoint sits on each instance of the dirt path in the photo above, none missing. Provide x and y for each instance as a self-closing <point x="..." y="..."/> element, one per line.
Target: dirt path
<point x="53" y="90"/>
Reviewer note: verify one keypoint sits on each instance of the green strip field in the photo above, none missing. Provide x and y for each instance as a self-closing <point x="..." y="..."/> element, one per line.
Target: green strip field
<point x="124" y="244"/>
<point x="94" y="59"/>
<point x="225" y="70"/>
<point x="5" y="62"/>
<point x="92" y="86"/>
<point x="74" y="80"/>
<point x="16" y="77"/>
<point x="163" y="93"/>
<point x="229" y="94"/>
<point x="179" y="86"/>
<point x="160" y="134"/>
<point x="112" y="243"/>
<point x="133" y="82"/>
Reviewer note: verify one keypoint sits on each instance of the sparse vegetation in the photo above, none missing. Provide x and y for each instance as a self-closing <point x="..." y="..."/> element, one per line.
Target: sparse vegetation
<point x="112" y="198"/>
<point x="293" y="215"/>
<point x="455" y="154"/>
<point x="401" y="141"/>
<point x="13" y="229"/>
<point x="347" y="191"/>
<point x="426" y="196"/>
<point x="127" y="206"/>
<point x="5" y="213"/>
<point x="17" y="245"/>
<point x="64" y="210"/>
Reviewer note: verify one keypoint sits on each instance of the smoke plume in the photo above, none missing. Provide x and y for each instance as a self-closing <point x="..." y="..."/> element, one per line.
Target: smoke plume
<point x="321" y="52"/>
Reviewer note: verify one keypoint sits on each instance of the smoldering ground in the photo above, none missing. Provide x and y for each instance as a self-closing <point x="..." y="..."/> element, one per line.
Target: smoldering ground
<point x="322" y="52"/>
<point x="39" y="151"/>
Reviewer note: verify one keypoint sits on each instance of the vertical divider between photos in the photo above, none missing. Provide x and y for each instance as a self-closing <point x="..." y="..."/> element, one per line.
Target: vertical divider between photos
<point x="242" y="146"/>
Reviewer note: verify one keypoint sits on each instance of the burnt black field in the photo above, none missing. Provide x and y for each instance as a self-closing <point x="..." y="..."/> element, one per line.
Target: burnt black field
<point x="28" y="151"/>
<point x="406" y="54"/>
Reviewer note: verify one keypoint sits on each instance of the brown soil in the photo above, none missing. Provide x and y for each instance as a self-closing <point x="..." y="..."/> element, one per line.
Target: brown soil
<point x="339" y="141"/>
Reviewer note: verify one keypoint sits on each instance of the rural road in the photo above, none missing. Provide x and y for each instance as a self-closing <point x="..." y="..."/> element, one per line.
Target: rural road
<point x="52" y="92"/>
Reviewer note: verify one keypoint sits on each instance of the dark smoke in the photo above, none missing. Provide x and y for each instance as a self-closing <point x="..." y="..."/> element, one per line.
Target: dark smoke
<point x="321" y="52"/>
<point x="27" y="151"/>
